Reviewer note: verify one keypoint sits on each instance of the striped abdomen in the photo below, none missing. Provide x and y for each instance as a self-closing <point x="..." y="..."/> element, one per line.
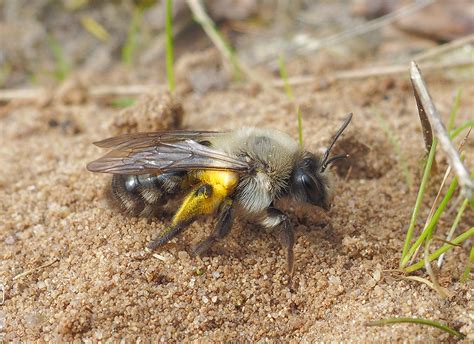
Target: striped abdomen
<point x="145" y="195"/>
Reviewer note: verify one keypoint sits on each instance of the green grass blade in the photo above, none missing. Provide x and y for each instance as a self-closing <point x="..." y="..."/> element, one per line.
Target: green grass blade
<point x="95" y="28"/>
<point x="419" y="321"/>
<point x="284" y="77"/>
<point x="467" y="271"/>
<point x="454" y="110"/>
<point x="461" y="128"/>
<point x="426" y="173"/>
<point x="428" y="231"/>
<point x="169" y="45"/>
<point x="300" y="126"/>
<point x="5" y="71"/>
<point x="130" y="46"/>
<point x="396" y="146"/>
<point x="455" y="225"/>
<point x="224" y="47"/>
<point x="446" y="247"/>
<point x="419" y="200"/>
<point x="289" y="93"/>
<point x="62" y="67"/>
<point x="123" y="102"/>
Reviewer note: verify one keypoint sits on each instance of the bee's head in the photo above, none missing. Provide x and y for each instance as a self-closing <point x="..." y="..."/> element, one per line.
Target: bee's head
<point x="310" y="181"/>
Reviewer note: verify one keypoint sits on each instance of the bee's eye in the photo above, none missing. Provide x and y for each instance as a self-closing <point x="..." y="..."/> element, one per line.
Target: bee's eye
<point x="310" y="189"/>
<point x="308" y="183"/>
<point x="310" y="164"/>
<point x="305" y="179"/>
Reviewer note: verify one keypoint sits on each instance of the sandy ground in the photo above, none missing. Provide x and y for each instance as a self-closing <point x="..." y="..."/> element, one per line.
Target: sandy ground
<point x="91" y="280"/>
<point x="74" y="269"/>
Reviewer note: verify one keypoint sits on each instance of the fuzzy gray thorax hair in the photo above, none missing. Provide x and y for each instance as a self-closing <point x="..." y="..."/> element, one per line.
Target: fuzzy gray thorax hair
<point x="273" y="153"/>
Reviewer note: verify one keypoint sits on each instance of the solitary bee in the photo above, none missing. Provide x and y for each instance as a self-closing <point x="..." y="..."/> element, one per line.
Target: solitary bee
<point x="234" y="174"/>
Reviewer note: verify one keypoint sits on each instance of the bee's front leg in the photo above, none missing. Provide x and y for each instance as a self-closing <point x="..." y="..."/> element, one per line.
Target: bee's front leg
<point x="276" y="219"/>
<point x="224" y="224"/>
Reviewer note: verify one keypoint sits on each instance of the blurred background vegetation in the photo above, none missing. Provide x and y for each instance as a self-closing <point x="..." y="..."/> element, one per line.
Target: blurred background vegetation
<point x="46" y="41"/>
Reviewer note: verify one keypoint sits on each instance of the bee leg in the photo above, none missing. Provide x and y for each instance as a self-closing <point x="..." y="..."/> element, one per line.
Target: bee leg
<point x="224" y="224"/>
<point x="200" y="201"/>
<point x="278" y="220"/>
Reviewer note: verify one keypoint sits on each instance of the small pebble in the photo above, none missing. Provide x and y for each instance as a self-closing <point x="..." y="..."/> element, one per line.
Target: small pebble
<point x="183" y="255"/>
<point x="192" y="282"/>
<point x="377" y="275"/>
<point x="10" y="240"/>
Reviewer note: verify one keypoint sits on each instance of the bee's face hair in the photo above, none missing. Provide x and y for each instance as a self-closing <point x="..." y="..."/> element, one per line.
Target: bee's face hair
<point x="309" y="183"/>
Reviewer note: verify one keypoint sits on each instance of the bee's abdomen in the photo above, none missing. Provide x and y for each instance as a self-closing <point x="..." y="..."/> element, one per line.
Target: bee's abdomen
<point x="144" y="195"/>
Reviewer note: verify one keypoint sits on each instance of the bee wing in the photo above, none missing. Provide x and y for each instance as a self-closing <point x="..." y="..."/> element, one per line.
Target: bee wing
<point x="164" y="157"/>
<point x="137" y="140"/>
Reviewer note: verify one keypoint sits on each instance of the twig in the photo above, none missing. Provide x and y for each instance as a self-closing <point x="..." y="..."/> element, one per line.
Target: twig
<point x="128" y="90"/>
<point x="207" y="24"/>
<point x="397" y="69"/>
<point x="444" y="241"/>
<point x="447" y="145"/>
<point x="305" y="44"/>
<point x="21" y="94"/>
<point x="138" y="89"/>
<point x="97" y="92"/>
<point x="27" y="272"/>
<point x="312" y="45"/>
<point x="441" y="49"/>
<point x="363" y="73"/>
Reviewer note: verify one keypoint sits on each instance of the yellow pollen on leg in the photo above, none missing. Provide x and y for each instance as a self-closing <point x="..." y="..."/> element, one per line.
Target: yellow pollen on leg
<point x="222" y="184"/>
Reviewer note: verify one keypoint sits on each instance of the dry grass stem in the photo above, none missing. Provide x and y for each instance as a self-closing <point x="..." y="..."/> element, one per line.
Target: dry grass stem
<point x="421" y="92"/>
<point x="312" y="44"/>
<point x="441" y="291"/>
<point x="96" y="92"/>
<point x="30" y="271"/>
<point x="363" y="73"/>
<point x="441" y="49"/>
<point x="428" y="283"/>
<point x="159" y="257"/>
<point x="433" y="209"/>
<point x="200" y="15"/>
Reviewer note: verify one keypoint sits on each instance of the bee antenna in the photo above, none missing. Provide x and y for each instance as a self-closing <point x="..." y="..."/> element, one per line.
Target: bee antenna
<point x="333" y="160"/>
<point x="325" y="161"/>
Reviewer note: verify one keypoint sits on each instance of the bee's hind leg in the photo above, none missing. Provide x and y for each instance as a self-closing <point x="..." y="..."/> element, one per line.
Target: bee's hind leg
<point x="201" y="201"/>
<point x="224" y="224"/>
<point x="276" y="219"/>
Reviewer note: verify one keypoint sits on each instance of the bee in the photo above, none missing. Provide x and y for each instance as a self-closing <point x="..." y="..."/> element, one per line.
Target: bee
<point x="236" y="174"/>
